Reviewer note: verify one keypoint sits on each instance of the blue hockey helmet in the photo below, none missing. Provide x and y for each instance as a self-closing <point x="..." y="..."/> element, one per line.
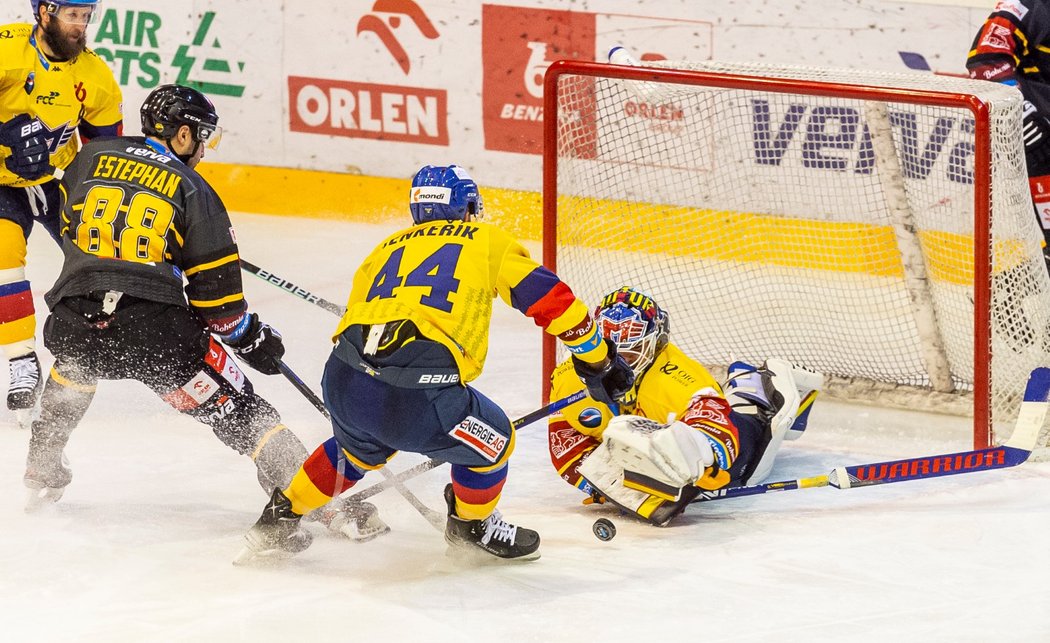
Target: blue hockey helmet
<point x="53" y="6"/>
<point x="640" y="329"/>
<point x="442" y="193"/>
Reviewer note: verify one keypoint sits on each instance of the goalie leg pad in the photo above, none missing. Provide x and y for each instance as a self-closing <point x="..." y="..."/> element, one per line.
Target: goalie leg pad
<point x="775" y="394"/>
<point x="674" y="455"/>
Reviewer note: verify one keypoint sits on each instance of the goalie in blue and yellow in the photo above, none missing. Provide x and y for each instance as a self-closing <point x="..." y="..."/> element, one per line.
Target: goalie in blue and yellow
<point x="414" y="335"/>
<point x="52" y="88"/>
<point x="676" y="433"/>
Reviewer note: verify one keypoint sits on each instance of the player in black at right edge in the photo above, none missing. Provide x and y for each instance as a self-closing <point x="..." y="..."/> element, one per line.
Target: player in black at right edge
<point x="138" y="222"/>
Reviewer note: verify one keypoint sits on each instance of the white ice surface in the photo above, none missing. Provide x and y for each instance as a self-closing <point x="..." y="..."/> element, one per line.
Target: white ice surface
<point x="139" y="549"/>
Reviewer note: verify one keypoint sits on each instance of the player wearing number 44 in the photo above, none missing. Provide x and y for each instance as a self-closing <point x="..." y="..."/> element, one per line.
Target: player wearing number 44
<point x="414" y="334"/>
<point x="677" y="432"/>
<point x="137" y="221"/>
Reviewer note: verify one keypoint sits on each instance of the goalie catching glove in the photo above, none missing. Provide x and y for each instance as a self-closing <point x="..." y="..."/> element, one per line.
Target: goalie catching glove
<point x="258" y="344"/>
<point x="29" y="158"/>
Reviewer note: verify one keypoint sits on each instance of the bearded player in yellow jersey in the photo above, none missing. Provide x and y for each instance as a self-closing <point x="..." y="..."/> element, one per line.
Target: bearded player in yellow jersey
<point x="414" y="334"/>
<point x="51" y="86"/>
<point x="676" y="433"/>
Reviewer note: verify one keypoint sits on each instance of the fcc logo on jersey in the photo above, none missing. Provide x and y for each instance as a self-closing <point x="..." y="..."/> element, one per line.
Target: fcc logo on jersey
<point x="590" y="417"/>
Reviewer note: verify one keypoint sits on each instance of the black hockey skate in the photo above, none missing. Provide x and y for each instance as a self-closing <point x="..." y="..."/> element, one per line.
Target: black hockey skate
<point x="276" y="533"/>
<point x="47" y="470"/>
<point x="492" y="535"/>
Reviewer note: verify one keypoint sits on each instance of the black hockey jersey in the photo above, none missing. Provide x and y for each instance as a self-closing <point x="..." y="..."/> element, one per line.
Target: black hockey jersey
<point x="1013" y="45"/>
<point x="137" y="220"/>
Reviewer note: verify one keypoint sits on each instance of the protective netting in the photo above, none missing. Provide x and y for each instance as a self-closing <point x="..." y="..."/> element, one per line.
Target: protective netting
<point x="825" y="229"/>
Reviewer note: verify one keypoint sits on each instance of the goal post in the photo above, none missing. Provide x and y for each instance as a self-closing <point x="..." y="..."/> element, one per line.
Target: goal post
<point x="874" y="226"/>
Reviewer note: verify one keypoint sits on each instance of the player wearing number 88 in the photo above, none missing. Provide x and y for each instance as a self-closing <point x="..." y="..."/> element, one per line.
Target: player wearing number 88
<point x="414" y="335"/>
<point x="138" y="219"/>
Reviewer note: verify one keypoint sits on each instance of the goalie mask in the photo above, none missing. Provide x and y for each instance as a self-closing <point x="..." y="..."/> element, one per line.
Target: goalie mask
<point x="639" y="328"/>
<point x="443" y="194"/>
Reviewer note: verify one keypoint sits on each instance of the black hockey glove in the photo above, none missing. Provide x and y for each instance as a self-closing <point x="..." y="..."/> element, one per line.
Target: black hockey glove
<point x="260" y="347"/>
<point x="1034" y="127"/>
<point x="29" y="157"/>
<point x="606" y="382"/>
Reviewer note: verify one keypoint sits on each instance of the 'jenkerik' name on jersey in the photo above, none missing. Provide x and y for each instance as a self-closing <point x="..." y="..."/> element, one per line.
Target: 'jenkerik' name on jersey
<point x="148" y="176"/>
<point x="447" y="230"/>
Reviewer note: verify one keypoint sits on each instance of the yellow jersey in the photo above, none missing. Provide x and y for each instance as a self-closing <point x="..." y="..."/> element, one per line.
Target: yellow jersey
<point x="63" y="95"/>
<point x="443" y="276"/>
<point x="663" y="394"/>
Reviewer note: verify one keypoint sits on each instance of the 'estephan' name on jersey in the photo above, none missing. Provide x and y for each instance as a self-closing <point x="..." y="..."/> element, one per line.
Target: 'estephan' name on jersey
<point x="137" y="221"/>
<point x="149" y="176"/>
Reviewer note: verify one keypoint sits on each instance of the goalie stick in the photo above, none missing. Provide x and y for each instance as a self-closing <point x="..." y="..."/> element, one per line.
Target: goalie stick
<point x="435" y="518"/>
<point x="1029" y="423"/>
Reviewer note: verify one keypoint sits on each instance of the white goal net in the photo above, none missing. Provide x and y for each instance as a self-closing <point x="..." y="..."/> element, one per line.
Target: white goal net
<point x="876" y="227"/>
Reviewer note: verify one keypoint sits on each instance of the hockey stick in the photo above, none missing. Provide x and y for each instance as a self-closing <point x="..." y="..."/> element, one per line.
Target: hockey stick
<point x="1029" y="423"/>
<point x="395" y="480"/>
<point x="435" y="518"/>
<point x="427" y="465"/>
<point x="289" y="287"/>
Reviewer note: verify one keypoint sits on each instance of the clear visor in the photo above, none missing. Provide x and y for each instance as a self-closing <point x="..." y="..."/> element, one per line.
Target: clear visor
<point x="210" y="135"/>
<point x="75" y="14"/>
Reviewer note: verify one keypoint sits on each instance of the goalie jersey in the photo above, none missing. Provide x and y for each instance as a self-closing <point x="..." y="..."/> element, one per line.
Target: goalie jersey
<point x="666" y="389"/>
<point x="80" y="93"/>
<point x="137" y="220"/>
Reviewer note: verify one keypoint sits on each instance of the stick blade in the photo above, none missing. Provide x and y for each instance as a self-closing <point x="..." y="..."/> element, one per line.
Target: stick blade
<point x="1032" y="414"/>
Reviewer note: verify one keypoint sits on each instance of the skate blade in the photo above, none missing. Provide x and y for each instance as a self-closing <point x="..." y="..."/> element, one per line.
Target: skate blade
<point x="39" y="497"/>
<point x="249" y="555"/>
<point x="353" y="534"/>
<point x="477" y="557"/>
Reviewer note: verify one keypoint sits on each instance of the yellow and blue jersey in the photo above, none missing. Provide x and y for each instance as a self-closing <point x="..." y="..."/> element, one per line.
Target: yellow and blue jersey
<point x="443" y="276"/>
<point x="67" y="95"/>
<point x="665" y="391"/>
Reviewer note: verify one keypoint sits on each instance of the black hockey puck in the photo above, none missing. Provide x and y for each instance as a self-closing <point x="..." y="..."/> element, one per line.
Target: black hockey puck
<point x="604" y="529"/>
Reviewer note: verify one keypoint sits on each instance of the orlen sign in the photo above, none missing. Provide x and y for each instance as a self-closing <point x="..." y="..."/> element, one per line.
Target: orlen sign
<point x="365" y="110"/>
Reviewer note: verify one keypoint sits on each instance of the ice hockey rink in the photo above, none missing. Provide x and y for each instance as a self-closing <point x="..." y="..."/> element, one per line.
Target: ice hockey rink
<point x="140" y="546"/>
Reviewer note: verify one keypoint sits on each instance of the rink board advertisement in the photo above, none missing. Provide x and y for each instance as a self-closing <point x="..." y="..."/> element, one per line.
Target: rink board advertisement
<point x="380" y="88"/>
